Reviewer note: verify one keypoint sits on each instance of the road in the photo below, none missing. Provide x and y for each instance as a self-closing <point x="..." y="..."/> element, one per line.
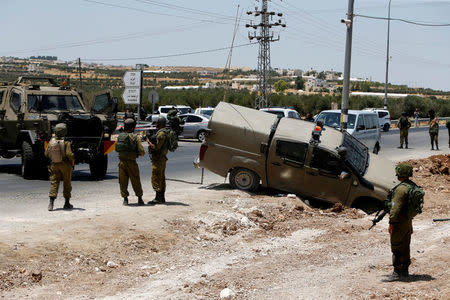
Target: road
<point x="180" y="170"/>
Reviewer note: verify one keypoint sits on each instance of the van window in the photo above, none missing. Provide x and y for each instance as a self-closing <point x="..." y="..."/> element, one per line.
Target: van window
<point x="15" y="102"/>
<point x="327" y="162"/>
<point x="370" y="122"/>
<point x="293" y="151"/>
<point x="382" y="114"/>
<point x="333" y="119"/>
<point x="360" y="121"/>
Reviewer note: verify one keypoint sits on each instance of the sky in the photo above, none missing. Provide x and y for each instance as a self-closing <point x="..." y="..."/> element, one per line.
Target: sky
<point x="167" y="32"/>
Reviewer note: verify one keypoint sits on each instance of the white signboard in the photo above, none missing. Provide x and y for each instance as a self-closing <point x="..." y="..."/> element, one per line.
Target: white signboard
<point x="153" y="97"/>
<point x="131" y="95"/>
<point x="132" y="78"/>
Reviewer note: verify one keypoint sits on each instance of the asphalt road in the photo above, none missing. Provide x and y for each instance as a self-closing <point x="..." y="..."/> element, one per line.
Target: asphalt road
<point x="16" y="191"/>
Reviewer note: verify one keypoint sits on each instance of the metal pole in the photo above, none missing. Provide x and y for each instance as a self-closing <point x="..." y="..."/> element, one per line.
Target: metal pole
<point x="140" y="68"/>
<point x="387" y="58"/>
<point x="348" y="57"/>
<point x="79" y="71"/>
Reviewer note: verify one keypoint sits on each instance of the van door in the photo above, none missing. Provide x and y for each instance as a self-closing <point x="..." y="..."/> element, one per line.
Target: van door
<point x="285" y="165"/>
<point x="103" y="103"/>
<point x="372" y="129"/>
<point x="322" y="177"/>
<point x="13" y="119"/>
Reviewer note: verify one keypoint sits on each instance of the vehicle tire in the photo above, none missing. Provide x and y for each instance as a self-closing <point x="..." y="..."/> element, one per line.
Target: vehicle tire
<point x="376" y="149"/>
<point x="244" y="179"/>
<point x="98" y="167"/>
<point x="28" y="161"/>
<point x="386" y="127"/>
<point x="201" y="135"/>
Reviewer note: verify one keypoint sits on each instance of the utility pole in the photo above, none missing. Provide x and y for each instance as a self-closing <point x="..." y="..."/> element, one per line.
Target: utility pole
<point x="348" y="58"/>
<point x="140" y="68"/>
<point x="387" y="58"/>
<point x="79" y="71"/>
<point x="264" y="38"/>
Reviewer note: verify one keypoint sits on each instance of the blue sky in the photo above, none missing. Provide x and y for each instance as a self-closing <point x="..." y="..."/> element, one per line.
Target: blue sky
<point x="313" y="38"/>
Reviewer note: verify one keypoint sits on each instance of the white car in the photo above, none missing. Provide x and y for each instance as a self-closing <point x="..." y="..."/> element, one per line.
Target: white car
<point x="207" y="111"/>
<point x="384" y="117"/>
<point x="282" y="112"/>
<point x="194" y="126"/>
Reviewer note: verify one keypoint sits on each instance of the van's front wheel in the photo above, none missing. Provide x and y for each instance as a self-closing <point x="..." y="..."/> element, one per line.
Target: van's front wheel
<point x="244" y="179"/>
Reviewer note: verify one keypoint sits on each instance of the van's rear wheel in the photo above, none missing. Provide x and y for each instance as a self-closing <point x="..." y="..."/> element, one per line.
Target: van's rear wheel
<point x="376" y="149"/>
<point x="386" y="127"/>
<point x="244" y="179"/>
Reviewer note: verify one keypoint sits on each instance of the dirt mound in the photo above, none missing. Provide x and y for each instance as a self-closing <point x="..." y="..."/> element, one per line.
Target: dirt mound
<point x="436" y="164"/>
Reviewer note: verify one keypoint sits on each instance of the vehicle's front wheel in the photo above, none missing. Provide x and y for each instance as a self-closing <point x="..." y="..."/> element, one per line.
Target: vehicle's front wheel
<point x="201" y="135"/>
<point x="28" y="161"/>
<point x="98" y="167"/>
<point x="386" y="127"/>
<point x="376" y="149"/>
<point x="244" y="179"/>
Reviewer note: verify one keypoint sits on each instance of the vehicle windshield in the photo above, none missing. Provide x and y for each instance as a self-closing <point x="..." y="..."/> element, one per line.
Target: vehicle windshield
<point x="53" y="103"/>
<point x="357" y="153"/>
<point x="183" y="110"/>
<point x="279" y="114"/>
<point x="207" y="112"/>
<point x="333" y="119"/>
<point x="165" y="110"/>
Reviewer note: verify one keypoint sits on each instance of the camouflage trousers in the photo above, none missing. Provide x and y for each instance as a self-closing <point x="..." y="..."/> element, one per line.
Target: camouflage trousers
<point x="60" y="171"/>
<point x="129" y="170"/>
<point x="434" y="139"/>
<point x="400" y="241"/>
<point x="403" y="136"/>
<point x="159" y="174"/>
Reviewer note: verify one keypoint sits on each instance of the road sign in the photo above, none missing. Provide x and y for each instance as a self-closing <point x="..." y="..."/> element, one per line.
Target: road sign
<point x="153" y="97"/>
<point x="131" y="95"/>
<point x="132" y="78"/>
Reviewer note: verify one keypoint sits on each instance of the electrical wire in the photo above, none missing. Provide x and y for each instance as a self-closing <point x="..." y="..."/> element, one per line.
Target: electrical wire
<point x="403" y="20"/>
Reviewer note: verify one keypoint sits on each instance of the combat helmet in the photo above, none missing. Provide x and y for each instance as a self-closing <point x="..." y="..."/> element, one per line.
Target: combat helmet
<point x="60" y="130"/>
<point x="404" y="170"/>
<point x="129" y="125"/>
<point x="161" y="121"/>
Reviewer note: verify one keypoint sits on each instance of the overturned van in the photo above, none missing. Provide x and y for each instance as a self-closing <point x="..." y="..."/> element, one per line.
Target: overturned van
<point x="295" y="156"/>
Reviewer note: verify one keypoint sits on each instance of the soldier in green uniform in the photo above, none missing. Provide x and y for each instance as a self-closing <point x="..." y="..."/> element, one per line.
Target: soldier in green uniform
<point x="400" y="225"/>
<point x="158" y="154"/>
<point x="448" y="128"/>
<point x="434" y="133"/>
<point x="403" y="124"/>
<point x="61" y="164"/>
<point x="174" y="121"/>
<point x="129" y="147"/>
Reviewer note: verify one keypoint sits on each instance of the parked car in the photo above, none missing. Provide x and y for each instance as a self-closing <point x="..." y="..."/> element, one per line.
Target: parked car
<point x="384" y="118"/>
<point x="194" y="126"/>
<point x="164" y="109"/>
<point x="207" y="111"/>
<point x="281" y="153"/>
<point x="362" y="124"/>
<point x="282" y="112"/>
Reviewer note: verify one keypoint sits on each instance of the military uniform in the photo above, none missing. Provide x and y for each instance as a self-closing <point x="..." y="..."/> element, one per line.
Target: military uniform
<point x="129" y="169"/>
<point x="434" y="134"/>
<point x="61" y="170"/>
<point x="174" y="121"/>
<point x="448" y="128"/>
<point x="159" y="160"/>
<point x="404" y="125"/>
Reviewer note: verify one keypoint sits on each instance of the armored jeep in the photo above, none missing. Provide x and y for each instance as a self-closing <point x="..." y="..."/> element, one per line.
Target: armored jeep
<point x="31" y="107"/>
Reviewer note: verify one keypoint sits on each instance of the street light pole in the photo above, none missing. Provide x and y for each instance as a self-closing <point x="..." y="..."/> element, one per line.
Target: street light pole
<point x="387" y="58"/>
<point x="348" y="58"/>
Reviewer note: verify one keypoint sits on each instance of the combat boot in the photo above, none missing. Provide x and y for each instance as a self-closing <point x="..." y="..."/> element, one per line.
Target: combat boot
<point x="125" y="201"/>
<point x="140" y="201"/>
<point x="67" y="204"/>
<point x="400" y="147"/>
<point x="437" y="146"/>
<point x="432" y="146"/>
<point x="162" y="198"/>
<point x="406" y="146"/>
<point x="157" y="199"/>
<point x="50" y="204"/>
<point x="395" y="276"/>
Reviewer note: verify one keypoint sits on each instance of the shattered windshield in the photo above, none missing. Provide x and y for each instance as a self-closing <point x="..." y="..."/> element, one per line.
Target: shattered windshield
<point x="357" y="153"/>
<point x="53" y="103"/>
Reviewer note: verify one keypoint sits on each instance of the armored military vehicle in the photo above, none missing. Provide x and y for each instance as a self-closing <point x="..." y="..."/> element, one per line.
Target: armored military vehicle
<point x="31" y="107"/>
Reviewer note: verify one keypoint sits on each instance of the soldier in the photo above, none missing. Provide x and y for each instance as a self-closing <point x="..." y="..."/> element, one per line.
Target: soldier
<point x="448" y="128"/>
<point x="403" y="124"/>
<point x="174" y="121"/>
<point x="129" y="147"/>
<point x="400" y="225"/>
<point x="158" y="152"/>
<point x="61" y="163"/>
<point x="434" y="133"/>
<point x="128" y="114"/>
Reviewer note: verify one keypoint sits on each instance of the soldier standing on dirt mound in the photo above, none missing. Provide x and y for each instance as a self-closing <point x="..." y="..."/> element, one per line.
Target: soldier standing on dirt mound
<point x="61" y="163"/>
<point x="129" y="147"/>
<point x="158" y="154"/>
<point x="403" y="124"/>
<point x="400" y="224"/>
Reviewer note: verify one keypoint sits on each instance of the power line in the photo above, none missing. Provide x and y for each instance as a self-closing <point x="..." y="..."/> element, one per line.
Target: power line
<point x="403" y="20"/>
<point x="168" y="55"/>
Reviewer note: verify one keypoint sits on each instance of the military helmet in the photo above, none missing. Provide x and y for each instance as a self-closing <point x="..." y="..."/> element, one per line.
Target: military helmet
<point x="129" y="124"/>
<point x="161" y="121"/>
<point x="60" y="130"/>
<point x="404" y="170"/>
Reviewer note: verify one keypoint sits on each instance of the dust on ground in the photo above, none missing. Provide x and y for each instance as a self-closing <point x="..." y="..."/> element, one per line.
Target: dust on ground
<point x="256" y="245"/>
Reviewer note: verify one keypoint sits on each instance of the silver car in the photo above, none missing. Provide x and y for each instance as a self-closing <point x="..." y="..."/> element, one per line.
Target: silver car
<point x="195" y="126"/>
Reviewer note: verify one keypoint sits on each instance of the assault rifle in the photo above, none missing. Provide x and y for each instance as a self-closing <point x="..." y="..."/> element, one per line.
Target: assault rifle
<point x="378" y="217"/>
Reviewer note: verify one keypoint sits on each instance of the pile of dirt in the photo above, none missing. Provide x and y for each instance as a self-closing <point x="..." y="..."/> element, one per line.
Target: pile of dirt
<point x="436" y="164"/>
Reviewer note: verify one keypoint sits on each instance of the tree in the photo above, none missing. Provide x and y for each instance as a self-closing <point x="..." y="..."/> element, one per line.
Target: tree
<point x="280" y="86"/>
<point x="299" y="83"/>
<point x="321" y="75"/>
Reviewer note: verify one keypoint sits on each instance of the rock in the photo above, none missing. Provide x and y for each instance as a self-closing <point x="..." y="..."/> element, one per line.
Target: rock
<point x="111" y="264"/>
<point x="226" y="293"/>
<point x="291" y="196"/>
<point x="245" y="221"/>
<point x="97" y="269"/>
<point x="103" y="269"/>
<point x="36" y="276"/>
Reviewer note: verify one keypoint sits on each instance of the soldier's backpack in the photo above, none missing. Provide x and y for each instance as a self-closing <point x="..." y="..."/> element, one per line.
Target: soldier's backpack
<point x="56" y="150"/>
<point x="172" y="139"/>
<point x="404" y="122"/>
<point x="415" y="200"/>
<point x="125" y="143"/>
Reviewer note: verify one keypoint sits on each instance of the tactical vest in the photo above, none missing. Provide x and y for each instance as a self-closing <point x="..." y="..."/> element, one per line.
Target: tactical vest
<point x="126" y="143"/>
<point x="56" y="150"/>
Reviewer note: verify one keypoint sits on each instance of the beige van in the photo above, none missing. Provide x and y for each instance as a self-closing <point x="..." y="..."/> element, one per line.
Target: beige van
<point x="255" y="148"/>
